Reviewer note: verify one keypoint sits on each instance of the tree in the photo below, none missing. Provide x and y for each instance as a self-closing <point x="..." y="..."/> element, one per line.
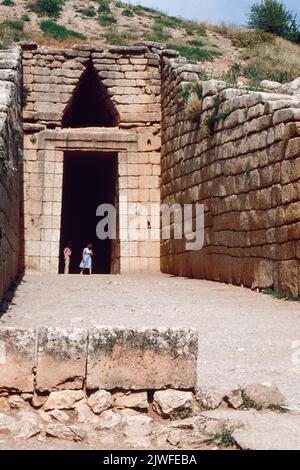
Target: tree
<point x="273" y="16"/>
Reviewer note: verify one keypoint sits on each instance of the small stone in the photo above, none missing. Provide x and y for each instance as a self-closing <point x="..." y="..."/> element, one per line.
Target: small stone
<point x="138" y="400"/>
<point x="4" y="405"/>
<point x="85" y="415"/>
<point x="174" y="439"/>
<point x="208" y="401"/>
<point x="38" y="400"/>
<point x="137" y="426"/>
<point x="168" y="401"/>
<point x="60" y="416"/>
<point x="234" y="398"/>
<point x="100" y="401"/>
<point x="44" y="416"/>
<point x="63" y="400"/>
<point x="108" y="420"/>
<point x="264" y="394"/>
<point x="68" y="433"/>
<point x="193" y="423"/>
<point x="16" y="402"/>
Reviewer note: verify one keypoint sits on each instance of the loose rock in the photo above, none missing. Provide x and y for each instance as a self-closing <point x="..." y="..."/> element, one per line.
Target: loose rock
<point x="64" y="400"/>
<point x="168" y="401"/>
<point x="69" y="433"/>
<point x="100" y="401"/>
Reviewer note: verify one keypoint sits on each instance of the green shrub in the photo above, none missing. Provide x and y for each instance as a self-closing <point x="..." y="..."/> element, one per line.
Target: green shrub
<point x="194" y="54"/>
<point x="128" y="12"/>
<point x="107" y="19"/>
<point x="51" y="8"/>
<point x="17" y="25"/>
<point x="116" y="38"/>
<point x="249" y="39"/>
<point x="9" y="33"/>
<point x="195" y="43"/>
<point x="192" y="27"/>
<point x="257" y="71"/>
<point x="273" y="16"/>
<point x="104" y="7"/>
<point x="60" y="33"/>
<point x="25" y="17"/>
<point x="157" y="34"/>
<point x="89" y="12"/>
<point x="8" y="3"/>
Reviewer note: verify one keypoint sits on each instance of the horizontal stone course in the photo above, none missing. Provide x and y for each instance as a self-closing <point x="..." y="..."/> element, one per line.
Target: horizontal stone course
<point x="246" y="175"/>
<point x="53" y="359"/>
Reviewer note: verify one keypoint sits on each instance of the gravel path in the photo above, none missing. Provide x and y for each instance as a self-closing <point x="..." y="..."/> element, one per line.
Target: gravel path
<point x="244" y="337"/>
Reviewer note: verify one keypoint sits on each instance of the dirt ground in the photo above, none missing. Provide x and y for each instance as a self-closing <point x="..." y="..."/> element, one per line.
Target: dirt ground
<point x="244" y="337"/>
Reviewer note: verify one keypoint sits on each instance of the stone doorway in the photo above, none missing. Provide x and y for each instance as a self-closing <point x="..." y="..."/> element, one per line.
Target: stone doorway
<point x="89" y="179"/>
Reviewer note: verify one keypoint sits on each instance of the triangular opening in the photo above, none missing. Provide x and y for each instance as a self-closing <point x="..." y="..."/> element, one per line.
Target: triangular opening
<point x="90" y="105"/>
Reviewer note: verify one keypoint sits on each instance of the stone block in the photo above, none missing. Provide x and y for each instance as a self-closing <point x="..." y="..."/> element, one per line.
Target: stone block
<point x="61" y="359"/>
<point x="17" y="351"/>
<point x="139" y="359"/>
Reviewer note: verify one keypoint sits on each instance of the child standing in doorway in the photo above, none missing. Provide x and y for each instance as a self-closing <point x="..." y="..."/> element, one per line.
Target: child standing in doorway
<point x="87" y="259"/>
<point x="67" y="257"/>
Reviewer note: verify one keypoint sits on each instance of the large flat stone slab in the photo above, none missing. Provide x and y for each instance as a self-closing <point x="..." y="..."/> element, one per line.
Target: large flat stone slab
<point x="61" y="360"/>
<point x="17" y="348"/>
<point x="135" y="359"/>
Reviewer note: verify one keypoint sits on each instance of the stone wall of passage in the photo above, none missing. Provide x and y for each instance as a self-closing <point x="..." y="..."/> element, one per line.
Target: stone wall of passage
<point x="247" y="175"/>
<point x="130" y="78"/>
<point x="10" y="166"/>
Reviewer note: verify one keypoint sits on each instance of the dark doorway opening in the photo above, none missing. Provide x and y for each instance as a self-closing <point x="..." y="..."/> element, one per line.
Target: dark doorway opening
<point x="90" y="105"/>
<point x="89" y="180"/>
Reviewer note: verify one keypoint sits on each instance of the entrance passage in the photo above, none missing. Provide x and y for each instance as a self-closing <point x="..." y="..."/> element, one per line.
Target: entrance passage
<point x="89" y="180"/>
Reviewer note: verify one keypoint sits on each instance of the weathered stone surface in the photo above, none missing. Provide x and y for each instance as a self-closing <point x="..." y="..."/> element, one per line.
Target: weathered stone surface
<point x="271" y="85"/>
<point x="137" y="426"/>
<point x="16" y="402"/>
<point x="100" y="401"/>
<point x="68" y="433"/>
<point x="141" y="358"/>
<point x="85" y="414"/>
<point x="60" y="416"/>
<point x="208" y="400"/>
<point x="63" y="400"/>
<point x="167" y="402"/>
<point x="138" y="400"/>
<point x="17" y="348"/>
<point x="264" y="394"/>
<point x="292" y="88"/>
<point x="212" y="87"/>
<point x="254" y="430"/>
<point x="234" y="398"/>
<point x="108" y="420"/>
<point x="61" y="359"/>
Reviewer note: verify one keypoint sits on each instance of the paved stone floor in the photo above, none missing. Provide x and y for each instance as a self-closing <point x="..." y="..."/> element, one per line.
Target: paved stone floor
<point x="244" y="337"/>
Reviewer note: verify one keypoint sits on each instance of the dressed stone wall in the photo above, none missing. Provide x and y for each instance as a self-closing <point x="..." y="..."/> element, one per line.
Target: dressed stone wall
<point x="131" y="79"/>
<point x="247" y="175"/>
<point x="10" y="166"/>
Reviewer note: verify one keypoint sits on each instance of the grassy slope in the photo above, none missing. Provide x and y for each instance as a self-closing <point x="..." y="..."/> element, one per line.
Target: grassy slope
<point x="217" y="47"/>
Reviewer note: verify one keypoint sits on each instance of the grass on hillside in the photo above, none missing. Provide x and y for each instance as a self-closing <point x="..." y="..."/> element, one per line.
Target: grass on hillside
<point x="194" y="54"/>
<point x="58" y="32"/>
<point x="120" y="38"/>
<point x="266" y="57"/>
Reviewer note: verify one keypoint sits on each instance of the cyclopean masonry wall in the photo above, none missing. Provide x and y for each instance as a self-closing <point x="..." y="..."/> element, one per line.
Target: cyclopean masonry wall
<point x="247" y="175"/>
<point x="10" y="167"/>
<point x="130" y="81"/>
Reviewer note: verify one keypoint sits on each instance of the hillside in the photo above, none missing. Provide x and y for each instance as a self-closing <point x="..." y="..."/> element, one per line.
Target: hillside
<point x="238" y="55"/>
